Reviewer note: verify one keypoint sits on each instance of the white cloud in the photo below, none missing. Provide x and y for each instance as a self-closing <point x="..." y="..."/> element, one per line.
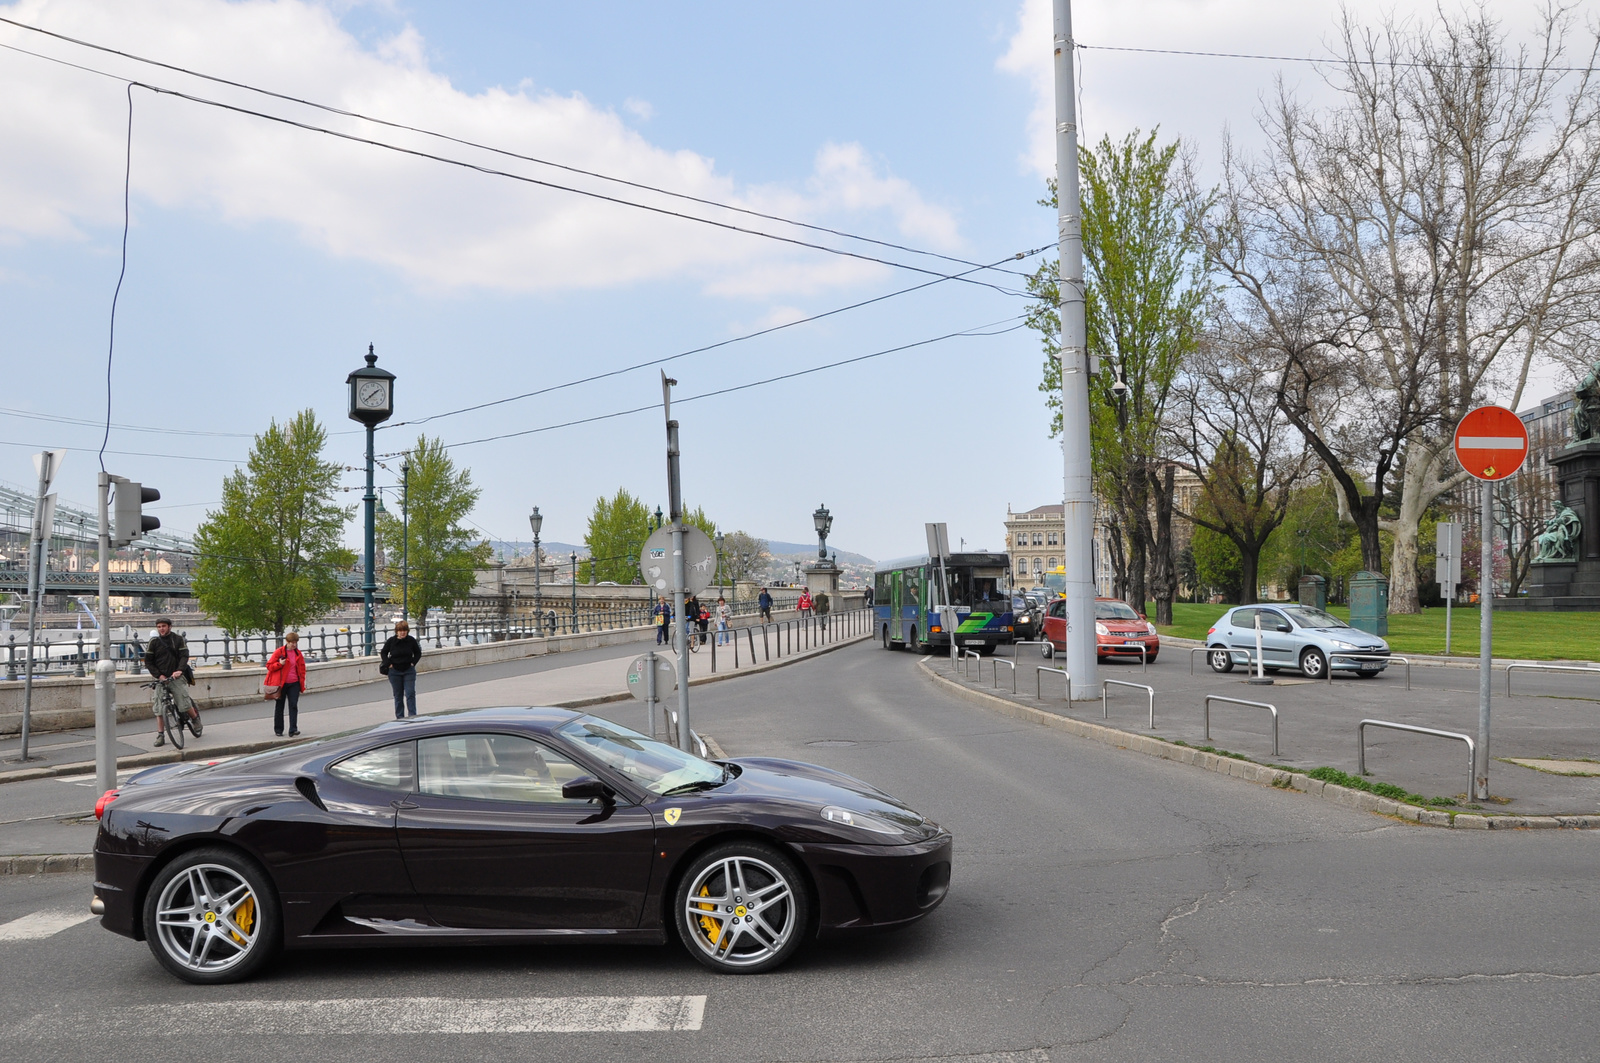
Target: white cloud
<point x="643" y="110"/>
<point x="61" y="151"/>
<point x="1030" y="55"/>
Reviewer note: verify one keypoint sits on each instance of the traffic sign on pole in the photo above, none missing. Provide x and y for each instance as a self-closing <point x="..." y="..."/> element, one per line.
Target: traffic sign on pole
<point x="1491" y="443"/>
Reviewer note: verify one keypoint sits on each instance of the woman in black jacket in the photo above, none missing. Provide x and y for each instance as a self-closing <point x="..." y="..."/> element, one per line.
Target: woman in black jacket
<point x="399" y="662"/>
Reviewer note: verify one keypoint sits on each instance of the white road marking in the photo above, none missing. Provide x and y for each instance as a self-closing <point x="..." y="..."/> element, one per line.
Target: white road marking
<point x="42" y="925"/>
<point x="382" y="1015"/>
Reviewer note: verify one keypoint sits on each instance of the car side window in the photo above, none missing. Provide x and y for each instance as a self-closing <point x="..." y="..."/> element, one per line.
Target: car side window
<point x="492" y="767"/>
<point x="1058" y="609"/>
<point x="386" y="768"/>
<point x="1272" y="620"/>
<point x="1244" y="618"/>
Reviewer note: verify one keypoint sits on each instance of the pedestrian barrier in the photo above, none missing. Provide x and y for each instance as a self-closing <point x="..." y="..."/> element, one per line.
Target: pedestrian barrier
<point x="1197" y="649"/>
<point x="1253" y="704"/>
<point x="1361" y="744"/>
<point x="1038" y="681"/>
<point x="966" y="659"/>
<point x="1105" y="712"/>
<point x="1370" y="657"/>
<point x="1030" y="642"/>
<point x="1144" y="655"/>
<point x="1544" y="668"/>
<point x="998" y="661"/>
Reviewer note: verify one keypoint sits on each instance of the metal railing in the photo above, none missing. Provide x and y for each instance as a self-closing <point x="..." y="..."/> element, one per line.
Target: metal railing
<point x="815" y="631"/>
<point x="1031" y="642"/>
<point x="1105" y="711"/>
<point x="1195" y="650"/>
<point x="966" y="658"/>
<point x="998" y="661"/>
<point x="1237" y="701"/>
<point x="1370" y="657"/>
<point x="1144" y="655"/>
<point x="1361" y="745"/>
<point x="1545" y="668"/>
<point x="1038" y="681"/>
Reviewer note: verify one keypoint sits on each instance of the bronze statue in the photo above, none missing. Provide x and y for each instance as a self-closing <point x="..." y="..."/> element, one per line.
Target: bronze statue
<point x="1586" y="410"/>
<point x="1559" y="540"/>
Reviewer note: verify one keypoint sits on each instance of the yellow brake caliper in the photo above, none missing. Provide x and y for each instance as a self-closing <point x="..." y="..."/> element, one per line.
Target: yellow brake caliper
<point x="712" y="927"/>
<point x="245" y="916"/>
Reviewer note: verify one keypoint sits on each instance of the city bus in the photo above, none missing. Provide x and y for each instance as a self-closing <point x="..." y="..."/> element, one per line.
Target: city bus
<point x="906" y="598"/>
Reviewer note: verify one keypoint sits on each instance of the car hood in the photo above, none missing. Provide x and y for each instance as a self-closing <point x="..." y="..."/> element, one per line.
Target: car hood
<point x="1354" y="636"/>
<point x="814" y="787"/>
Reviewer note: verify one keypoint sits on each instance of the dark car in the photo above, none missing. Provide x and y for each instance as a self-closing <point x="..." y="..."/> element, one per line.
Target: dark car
<point x="504" y="825"/>
<point x="1027" y="611"/>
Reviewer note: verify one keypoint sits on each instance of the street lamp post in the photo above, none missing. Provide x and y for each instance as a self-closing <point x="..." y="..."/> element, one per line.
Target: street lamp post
<point x="536" y="521"/>
<point x="405" y="544"/>
<point x="720" y="540"/>
<point x="371" y="403"/>
<point x="574" y="592"/>
<point x="823" y="521"/>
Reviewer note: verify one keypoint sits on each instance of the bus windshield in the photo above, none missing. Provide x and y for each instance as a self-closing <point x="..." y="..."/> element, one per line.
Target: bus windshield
<point x="978" y="587"/>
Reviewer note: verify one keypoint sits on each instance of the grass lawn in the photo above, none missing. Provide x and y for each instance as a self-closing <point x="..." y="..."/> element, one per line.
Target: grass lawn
<point x="1534" y="636"/>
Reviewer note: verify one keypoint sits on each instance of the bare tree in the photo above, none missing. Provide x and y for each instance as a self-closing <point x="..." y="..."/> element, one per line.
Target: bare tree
<point x="1410" y="250"/>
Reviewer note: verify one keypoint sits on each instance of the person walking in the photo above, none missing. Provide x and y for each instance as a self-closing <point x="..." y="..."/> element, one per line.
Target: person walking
<point x="765" y="601"/>
<point x="399" y="662"/>
<point x="166" y="658"/>
<point x="663" y="618"/>
<point x="704" y="620"/>
<point x="724" y="620"/>
<point x="286" y="670"/>
<point x="804" y="605"/>
<point x="691" y="616"/>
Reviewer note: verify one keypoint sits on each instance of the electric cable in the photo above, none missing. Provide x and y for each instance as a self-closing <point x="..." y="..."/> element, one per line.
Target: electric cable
<point x="302" y="101"/>
<point x="111" y="338"/>
<point x="1334" y="61"/>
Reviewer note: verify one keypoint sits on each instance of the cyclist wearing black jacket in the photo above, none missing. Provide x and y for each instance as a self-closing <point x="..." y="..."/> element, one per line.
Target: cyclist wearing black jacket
<point x="167" y="661"/>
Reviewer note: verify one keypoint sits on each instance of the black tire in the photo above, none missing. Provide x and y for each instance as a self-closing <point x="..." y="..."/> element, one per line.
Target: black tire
<point x="1313" y="665"/>
<point x="1220" y="660"/>
<point x="1366" y="675"/>
<point x="175" y="722"/>
<point x="203" y="886"/>
<point x="886" y="643"/>
<point x="779" y="923"/>
<point x="913" y="644"/>
<point x="1048" y="650"/>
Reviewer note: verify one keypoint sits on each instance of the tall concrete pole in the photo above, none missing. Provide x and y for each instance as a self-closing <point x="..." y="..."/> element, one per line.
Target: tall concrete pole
<point x="1078" y="493"/>
<point x="105" y="669"/>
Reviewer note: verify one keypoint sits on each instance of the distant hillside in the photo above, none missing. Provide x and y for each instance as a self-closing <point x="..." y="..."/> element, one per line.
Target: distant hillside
<point x="794" y="550"/>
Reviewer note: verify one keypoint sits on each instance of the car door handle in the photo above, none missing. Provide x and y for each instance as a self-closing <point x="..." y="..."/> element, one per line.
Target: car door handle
<point x="404" y="803"/>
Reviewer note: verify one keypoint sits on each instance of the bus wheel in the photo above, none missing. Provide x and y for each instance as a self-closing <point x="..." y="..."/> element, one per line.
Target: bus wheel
<point x="886" y="643"/>
<point x="912" y="643"/>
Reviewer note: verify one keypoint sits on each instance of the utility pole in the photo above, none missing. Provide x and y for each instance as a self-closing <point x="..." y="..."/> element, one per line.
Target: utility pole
<point x="47" y="462"/>
<point x="405" y="542"/>
<point x="105" y="669"/>
<point x="1076" y="366"/>
<point x="679" y="575"/>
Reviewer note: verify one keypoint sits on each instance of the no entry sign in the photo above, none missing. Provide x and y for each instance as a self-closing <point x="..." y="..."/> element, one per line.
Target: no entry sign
<point x="1491" y="442"/>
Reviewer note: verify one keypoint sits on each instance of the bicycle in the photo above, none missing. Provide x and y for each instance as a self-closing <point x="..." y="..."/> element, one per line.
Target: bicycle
<point x="175" y="719"/>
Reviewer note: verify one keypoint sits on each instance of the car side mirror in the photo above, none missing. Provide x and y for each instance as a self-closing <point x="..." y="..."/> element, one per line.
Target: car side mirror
<point x="586" y="788"/>
<point x="1284" y="626"/>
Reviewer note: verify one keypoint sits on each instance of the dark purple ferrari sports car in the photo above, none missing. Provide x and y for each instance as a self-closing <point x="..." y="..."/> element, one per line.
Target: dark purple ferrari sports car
<point x="497" y="826"/>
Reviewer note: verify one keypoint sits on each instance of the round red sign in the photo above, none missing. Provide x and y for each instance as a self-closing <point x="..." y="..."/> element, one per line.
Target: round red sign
<point x="1491" y="442"/>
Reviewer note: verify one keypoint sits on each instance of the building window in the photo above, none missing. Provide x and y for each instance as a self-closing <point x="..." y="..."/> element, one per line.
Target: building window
<point x="1055" y="538"/>
<point x="1052" y="564"/>
<point x="1022" y="538"/>
<point x="1038" y="566"/>
<point x="1022" y="570"/>
<point x="1038" y="539"/>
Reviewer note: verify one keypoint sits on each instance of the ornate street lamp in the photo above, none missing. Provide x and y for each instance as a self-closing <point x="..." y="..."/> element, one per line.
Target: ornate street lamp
<point x="719" y="563"/>
<point x="371" y="403"/>
<point x="405" y="545"/>
<point x="658" y="519"/>
<point x="574" y="592"/>
<point x="823" y="521"/>
<point x="536" y="521"/>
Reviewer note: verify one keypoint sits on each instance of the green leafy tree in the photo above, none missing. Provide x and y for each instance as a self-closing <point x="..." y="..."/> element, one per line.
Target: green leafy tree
<point x="270" y="558"/>
<point x="1217" y="563"/>
<point x="430" y="558"/>
<point x="618" y="527"/>
<point x="1146" y="286"/>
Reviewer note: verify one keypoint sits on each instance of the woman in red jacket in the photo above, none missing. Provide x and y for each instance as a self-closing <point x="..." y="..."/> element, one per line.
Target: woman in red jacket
<point x="286" y="670"/>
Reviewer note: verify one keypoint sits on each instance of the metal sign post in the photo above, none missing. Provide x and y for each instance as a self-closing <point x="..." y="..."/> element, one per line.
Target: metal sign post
<point x="938" y="548"/>
<point x="1447" y="570"/>
<point x="48" y="463"/>
<point x="1491" y="443"/>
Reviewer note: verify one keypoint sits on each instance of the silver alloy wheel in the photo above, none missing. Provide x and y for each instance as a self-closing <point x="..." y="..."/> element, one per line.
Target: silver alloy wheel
<point x="1220" y="661"/>
<point x="208" y="919"/>
<point x="743" y="909"/>
<point x="1313" y="664"/>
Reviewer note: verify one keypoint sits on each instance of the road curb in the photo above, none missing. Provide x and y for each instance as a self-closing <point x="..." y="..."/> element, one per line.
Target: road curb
<point x="46" y="864"/>
<point x="1250" y="771"/>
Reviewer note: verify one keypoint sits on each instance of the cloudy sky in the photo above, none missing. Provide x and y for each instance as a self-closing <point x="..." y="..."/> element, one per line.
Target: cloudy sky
<point x="264" y="257"/>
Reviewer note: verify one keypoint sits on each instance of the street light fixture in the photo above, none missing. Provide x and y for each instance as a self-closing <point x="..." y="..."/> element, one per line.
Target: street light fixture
<point x="371" y="403"/>
<point x="720" y="540"/>
<point x="405" y="544"/>
<point x="536" y="521"/>
<point x="823" y="520"/>
<point x="574" y="592"/>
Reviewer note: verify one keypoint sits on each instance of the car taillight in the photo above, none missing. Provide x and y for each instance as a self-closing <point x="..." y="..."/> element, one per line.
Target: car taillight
<point x="1211" y="631"/>
<point x="105" y="799"/>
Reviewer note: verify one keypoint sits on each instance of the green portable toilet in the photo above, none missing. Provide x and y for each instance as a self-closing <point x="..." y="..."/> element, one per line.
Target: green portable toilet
<point x="1369" y="602"/>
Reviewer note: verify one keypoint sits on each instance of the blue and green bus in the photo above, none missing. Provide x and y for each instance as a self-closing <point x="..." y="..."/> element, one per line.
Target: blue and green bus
<point x="907" y="597"/>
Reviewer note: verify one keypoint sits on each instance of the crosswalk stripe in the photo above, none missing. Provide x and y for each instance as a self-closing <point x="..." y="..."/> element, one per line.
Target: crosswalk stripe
<point x="42" y="925"/>
<point x="383" y="1015"/>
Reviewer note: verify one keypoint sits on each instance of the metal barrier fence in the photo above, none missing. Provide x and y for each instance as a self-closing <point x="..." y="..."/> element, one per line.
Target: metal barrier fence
<point x="1038" y="681"/>
<point x="997" y="662"/>
<point x="1031" y="642"/>
<point x="1361" y="745"/>
<point x="1105" y="711"/>
<point x="1253" y="704"/>
<point x="810" y="631"/>
<point x="966" y="659"/>
<point x="1370" y="657"/>
<point x="1195" y="650"/>
<point x="1544" y="668"/>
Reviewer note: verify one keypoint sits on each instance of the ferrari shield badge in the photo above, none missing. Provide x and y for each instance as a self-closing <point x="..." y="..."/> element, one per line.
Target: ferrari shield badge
<point x="671" y="815"/>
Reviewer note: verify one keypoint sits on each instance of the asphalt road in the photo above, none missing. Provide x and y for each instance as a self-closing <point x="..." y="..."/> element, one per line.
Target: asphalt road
<point x="1105" y="906"/>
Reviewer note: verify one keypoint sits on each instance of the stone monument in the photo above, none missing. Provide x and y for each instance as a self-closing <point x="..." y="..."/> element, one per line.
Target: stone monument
<point x="1565" y="573"/>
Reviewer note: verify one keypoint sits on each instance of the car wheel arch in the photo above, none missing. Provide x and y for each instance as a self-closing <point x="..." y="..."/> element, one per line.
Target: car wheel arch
<point x="680" y="867"/>
<point x="176" y="849"/>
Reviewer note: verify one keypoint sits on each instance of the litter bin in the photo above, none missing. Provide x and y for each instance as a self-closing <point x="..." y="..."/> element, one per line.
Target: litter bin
<point x="1314" y="592"/>
<point x="1369" y="602"/>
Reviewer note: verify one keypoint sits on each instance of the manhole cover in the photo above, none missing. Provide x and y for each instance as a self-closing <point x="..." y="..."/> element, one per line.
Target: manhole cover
<point x="830" y="742"/>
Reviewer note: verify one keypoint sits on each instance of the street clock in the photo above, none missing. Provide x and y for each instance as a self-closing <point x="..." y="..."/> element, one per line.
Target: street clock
<point x="371" y="392"/>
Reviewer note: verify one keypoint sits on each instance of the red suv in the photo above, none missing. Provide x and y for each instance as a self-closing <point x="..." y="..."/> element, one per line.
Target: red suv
<point x="1118" y="628"/>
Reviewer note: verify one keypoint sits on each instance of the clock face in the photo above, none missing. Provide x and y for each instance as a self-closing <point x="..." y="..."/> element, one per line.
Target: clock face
<point x="373" y="394"/>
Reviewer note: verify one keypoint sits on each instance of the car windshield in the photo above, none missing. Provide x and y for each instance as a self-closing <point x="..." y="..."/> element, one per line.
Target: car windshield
<point x="656" y="766"/>
<point x="1114" y="611"/>
<point x="1306" y="616"/>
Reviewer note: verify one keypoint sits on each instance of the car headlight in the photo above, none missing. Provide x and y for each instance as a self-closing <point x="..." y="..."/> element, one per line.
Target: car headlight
<point x="1100" y="629"/>
<point x="1343" y="645"/>
<point x="865" y="820"/>
<point x="1150" y="627"/>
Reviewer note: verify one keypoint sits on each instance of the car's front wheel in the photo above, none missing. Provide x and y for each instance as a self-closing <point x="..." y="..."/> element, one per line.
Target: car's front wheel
<point x="1220" y="660"/>
<point x="1313" y="664"/>
<point x="742" y="908"/>
<point x="1048" y="650"/>
<point x="211" y="917"/>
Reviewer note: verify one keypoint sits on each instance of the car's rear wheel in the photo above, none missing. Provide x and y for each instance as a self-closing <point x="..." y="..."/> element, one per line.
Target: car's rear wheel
<point x="1313" y="665"/>
<point x="1220" y="660"/>
<point x="1048" y="650"/>
<point x="742" y="908"/>
<point x="211" y="917"/>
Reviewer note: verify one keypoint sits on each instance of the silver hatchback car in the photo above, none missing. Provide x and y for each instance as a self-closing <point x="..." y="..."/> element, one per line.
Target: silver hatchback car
<point x="1293" y="636"/>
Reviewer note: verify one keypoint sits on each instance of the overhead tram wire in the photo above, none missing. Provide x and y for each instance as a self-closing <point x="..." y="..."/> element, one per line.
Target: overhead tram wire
<point x="1331" y="61"/>
<point x="311" y="127"/>
<point x="697" y="350"/>
<point x="1011" y="323"/>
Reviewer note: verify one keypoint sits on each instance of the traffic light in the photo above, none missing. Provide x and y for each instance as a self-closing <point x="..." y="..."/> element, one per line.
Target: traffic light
<point x="128" y="520"/>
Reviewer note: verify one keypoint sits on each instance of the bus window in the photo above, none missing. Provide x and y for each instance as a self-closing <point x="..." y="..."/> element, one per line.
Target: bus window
<point x="913" y="588"/>
<point x="881" y="593"/>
